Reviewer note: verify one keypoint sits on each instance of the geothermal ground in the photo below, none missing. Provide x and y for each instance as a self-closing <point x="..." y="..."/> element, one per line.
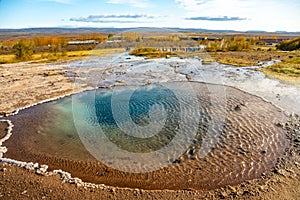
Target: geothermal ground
<point x="260" y="140"/>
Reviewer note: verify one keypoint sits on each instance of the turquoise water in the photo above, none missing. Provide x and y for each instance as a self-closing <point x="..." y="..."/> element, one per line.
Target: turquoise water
<point x="138" y="124"/>
<point x="155" y="106"/>
<point x="139" y="107"/>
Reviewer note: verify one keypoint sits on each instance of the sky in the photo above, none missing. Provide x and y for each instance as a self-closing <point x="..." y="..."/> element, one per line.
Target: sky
<point x="239" y="15"/>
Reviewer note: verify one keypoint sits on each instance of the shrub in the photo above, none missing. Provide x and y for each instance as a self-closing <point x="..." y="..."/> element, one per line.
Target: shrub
<point x="289" y="45"/>
<point x="23" y="51"/>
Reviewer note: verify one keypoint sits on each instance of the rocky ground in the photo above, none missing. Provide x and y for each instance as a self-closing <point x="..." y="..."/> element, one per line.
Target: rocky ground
<point x="26" y="84"/>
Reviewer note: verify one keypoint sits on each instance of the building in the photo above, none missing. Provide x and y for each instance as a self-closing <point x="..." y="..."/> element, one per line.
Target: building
<point x="83" y="42"/>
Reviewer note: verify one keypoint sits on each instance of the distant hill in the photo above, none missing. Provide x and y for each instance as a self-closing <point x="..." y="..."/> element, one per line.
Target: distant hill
<point x="111" y="30"/>
<point x="7" y="34"/>
<point x="63" y="30"/>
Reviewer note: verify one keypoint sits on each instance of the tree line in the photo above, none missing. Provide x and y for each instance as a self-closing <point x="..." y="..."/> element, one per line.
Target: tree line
<point x="24" y="48"/>
<point x="236" y="43"/>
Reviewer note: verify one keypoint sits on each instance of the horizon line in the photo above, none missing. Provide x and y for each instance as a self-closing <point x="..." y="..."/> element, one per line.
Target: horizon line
<point x="204" y="29"/>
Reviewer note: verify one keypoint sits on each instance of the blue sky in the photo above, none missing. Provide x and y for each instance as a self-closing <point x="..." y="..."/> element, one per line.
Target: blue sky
<point x="241" y="15"/>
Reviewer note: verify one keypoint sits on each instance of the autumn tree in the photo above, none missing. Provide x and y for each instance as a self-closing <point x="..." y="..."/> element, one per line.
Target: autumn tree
<point x="110" y="36"/>
<point x="237" y="43"/>
<point x="130" y="36"/>
<point x="23" y="51"/>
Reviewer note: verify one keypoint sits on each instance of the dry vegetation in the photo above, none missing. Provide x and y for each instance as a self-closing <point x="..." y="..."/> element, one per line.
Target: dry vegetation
<point x="49" y="48"/>
<point x="288" y="70"/>
<point x="250" y="58"/>
<point x="151" y="53"/>
<point x="50" y="57"/>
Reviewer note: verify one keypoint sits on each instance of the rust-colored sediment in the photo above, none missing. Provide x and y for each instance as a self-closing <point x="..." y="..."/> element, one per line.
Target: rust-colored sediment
<point x="3" y="127"/>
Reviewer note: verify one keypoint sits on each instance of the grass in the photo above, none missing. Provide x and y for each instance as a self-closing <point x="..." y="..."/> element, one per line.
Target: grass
<point x="264" y="48"/>
<point x="150" y="53"/>
<point x="249" y="58"/>
<point x="60" y="56"/>
<point x="289" y="66"/>
<point x="285" y="77"/>
<point x="237" y="62"/>
<point x="7" y="59"/>
<point x="293" y="60"/>
<point x="237" y="58"/>
<point x="288" y="70"/>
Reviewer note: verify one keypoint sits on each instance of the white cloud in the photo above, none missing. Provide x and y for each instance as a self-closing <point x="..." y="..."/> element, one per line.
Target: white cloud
<point x="114" y="18"/>
<point x="270" y="15"/>
<point x="191" y="4"/>
<point x="134" y="3"/>
<point x="59" y="1"/>
<point x="215" y="6"/>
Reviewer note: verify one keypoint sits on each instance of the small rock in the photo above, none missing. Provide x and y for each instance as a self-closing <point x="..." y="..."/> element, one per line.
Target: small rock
<point x="237" y="108"/>
<point x="281" y="125"/>
<point x="246" y="192"/>
<point x="112" y="190"/>
<point x="15" y="112"/>
<point x="102" y="186"/>
<point x="136" y="192"/>
<point x="281" y="172"/>
<point x="4" y="114"/>
<point x="263" y="152"/>
<point x="189" y="77"/>
<point x="176" y="161"/>
<point x="3" y="170"/>
<point x="192" y="151"/>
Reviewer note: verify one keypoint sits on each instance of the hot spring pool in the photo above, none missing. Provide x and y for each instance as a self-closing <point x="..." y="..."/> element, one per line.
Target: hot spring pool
<point x="169" y="136"/>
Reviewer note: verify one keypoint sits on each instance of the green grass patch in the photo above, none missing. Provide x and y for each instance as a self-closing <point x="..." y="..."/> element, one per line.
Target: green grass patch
<point x="285" y="68"/>
<point x="287" y="78"/>
<point x="289" y="66"/>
